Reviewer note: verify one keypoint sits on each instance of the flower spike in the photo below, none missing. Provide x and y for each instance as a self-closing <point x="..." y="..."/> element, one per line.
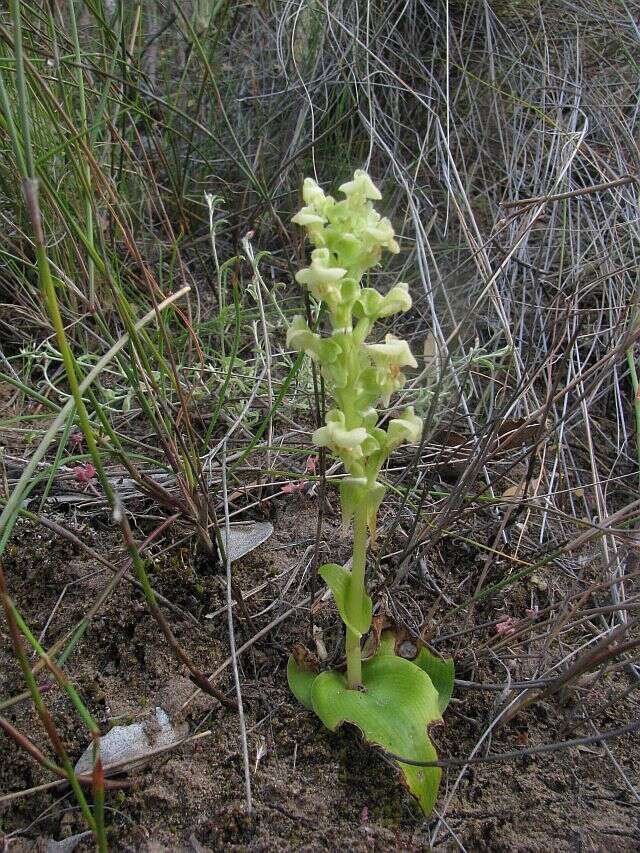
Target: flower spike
<point x="391" y="699"/>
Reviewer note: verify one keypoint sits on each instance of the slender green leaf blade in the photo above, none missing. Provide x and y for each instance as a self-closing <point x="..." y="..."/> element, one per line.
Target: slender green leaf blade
<point x="338" y="579"/>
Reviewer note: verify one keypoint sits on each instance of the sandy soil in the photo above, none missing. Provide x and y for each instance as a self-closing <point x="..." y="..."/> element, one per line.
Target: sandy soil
<point x="312" y="790"/>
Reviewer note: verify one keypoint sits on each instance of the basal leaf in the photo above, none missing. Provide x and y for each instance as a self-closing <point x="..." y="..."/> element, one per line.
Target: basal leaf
<point x="300" y="682"/>
<point x="338" y="579"/>
<point x="440" y="671"/>
<point x="394" y="711"/>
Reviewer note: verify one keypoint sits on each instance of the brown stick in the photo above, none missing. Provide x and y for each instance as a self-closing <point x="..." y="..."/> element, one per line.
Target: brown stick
<point x="596" y="188"/>
<point x="519" y="753"/>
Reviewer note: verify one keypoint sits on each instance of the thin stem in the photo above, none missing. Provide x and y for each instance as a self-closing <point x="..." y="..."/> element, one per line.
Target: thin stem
<point x="41" y="710"/>
<point x="232" y="640"/>
<point x="356" y="595"/>
<point x="86" y="168"/>
<point x="354" y="660"/>
<point x="636" y="400"/>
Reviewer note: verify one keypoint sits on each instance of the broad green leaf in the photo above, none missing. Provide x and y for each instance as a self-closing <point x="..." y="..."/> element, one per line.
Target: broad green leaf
<point x="300" y="682"/>
<point x="440" y="671"/>
<point x="338" y="579"/>
<point x="394" y="711"/>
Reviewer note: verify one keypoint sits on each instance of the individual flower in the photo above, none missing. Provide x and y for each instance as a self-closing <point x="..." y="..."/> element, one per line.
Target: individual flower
<point x="405" y="429"/>
<point x="381" y="232"/>
<point x="361" y="187"/>
<point x="301" y="338"/>
<point x="394" y="351"/>
<point x="335" y="435"/>
<point x="369" y="417"/>
<point x="388" y="359"/>
<point x="314" y="222"/>
<point x="322" y="279"/>
<point x="374" y="305"/>
<point x="313" y="194"/>
<point x="307" y="216"/>
<point x="313" y="216"/>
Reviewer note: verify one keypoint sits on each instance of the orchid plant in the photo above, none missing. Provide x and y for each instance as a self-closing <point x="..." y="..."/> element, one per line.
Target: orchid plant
<point x="391" y="698"/>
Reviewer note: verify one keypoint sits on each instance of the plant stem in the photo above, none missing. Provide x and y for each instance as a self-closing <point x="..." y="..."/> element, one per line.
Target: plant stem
<point x="636" y="400"/>
<point x="356" y="595"/>
<point x="354" y="660"/>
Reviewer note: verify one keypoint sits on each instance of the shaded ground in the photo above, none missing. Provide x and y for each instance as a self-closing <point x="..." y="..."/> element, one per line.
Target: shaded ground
<point x="312" y="790"/>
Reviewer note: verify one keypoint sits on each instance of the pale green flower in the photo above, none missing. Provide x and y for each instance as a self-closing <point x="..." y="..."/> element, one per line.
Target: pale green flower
<point x="397" y="300"/>
<point x="360" y="187"/>
<point x="314" y="216"/>
<point x="312" y="193"/>
<point x="374" y="305"/>
<point x="322" y="279"/>
<point x="389" y="358"/>
<point x="314" y="222"/>
<point x="307" y="216"/>
<point x="383" y="234"/>
<point x="301" y="338"/>
<point x="337" y="437"/>
<point x="393" y="352"/>
<point x="406" y="429"/>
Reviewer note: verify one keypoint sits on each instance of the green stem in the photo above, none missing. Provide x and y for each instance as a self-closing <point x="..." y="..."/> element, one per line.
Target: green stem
<point x="356" y="594"/>
<point x="354" y="660"/>
<point x="86" y="168"/>
<point x="45" y="718"/>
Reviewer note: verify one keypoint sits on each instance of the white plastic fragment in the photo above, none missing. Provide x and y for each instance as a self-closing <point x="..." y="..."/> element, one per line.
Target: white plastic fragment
<point x="244" y="538"/>
<point x="67" y="845"/>
<point x="130" y="744"/>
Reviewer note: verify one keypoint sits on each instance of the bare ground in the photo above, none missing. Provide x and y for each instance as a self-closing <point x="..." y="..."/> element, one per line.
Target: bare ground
<point x="312" y="790"/>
